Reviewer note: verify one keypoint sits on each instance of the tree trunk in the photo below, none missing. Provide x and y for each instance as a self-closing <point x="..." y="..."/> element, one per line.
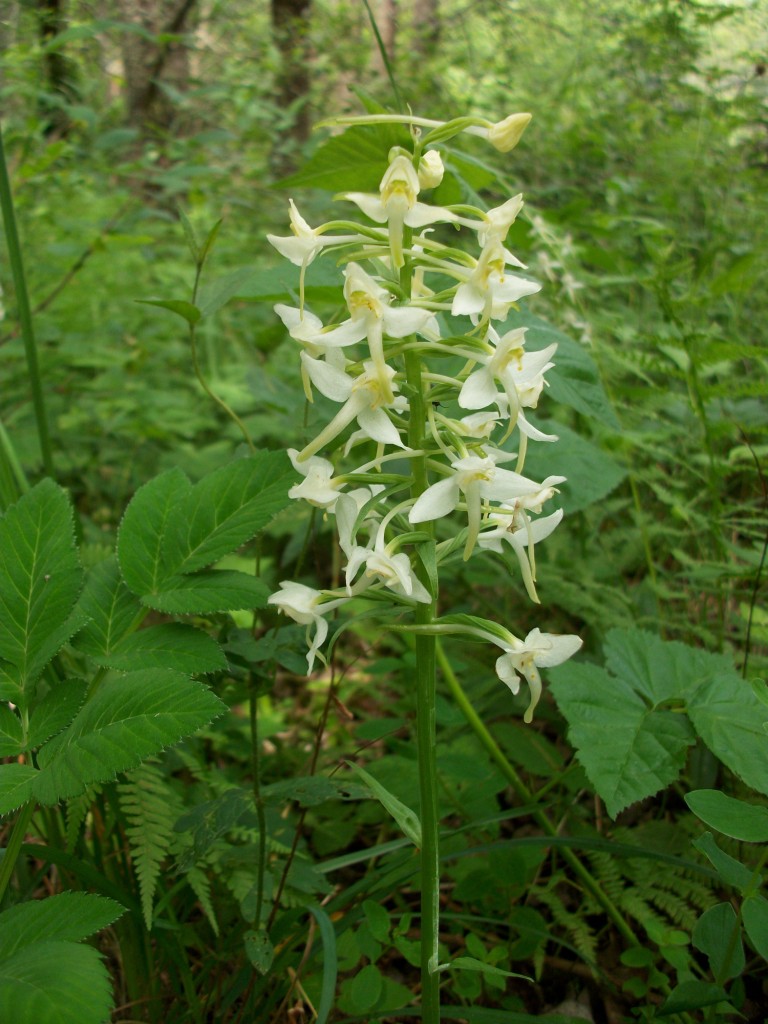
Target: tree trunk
<point x="148" y="62"/>
<point x="60" y="72"/>
<point x="290" y="29"/>
<point x="426" y="26"/>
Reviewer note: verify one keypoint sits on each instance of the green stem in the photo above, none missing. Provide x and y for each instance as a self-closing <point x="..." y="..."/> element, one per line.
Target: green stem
<point x="12" y="850"/>
<point x="525" y="795"/>
<point x="258" y="800"/>
<point x="426" y="724"/>
<point x="24" y="314"/>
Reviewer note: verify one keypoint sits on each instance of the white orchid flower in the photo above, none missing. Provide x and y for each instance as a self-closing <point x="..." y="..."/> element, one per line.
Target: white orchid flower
<point x="489" y="291"/>
<point x="477" y="478"/>
<point x="393" y="570"/>
<point x="319" y="487"/>
<point x="494" y="224"/>
<point x="515" y="527"/>
<point x="397" y="205"/>
<point x="307" y="607"/>
<point x="364" y="397"/>
<point x="305" y="242"/>
<point x="524" y="658"/>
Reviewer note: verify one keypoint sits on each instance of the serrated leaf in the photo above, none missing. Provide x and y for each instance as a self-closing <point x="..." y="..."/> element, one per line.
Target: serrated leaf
<point x="55" y="982"/>
<point x="16" y="782"/>
<point x="729" y="718"/>
<point x="71" y="916"/>
<point x="142" y="530"/>
<point x="56" y="710"/>
<point x="40" y="579"/>
<point x="225" y="509"/>
<point x="355" y="160"/>
<point x="629" y="749"/>
<point x="204" y="593"/>
<point x="11" y="735"/>
<point x="111" y="608"/>
<point x="128" y="719"/>
<point x="171" y="645"/>
<point x="734" y="818"/>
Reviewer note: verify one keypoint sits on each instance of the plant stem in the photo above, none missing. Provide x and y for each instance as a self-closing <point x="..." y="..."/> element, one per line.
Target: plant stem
<point x="24" y="314"/>
<point x="12" y="850"/>
<point x="425" y="725"/>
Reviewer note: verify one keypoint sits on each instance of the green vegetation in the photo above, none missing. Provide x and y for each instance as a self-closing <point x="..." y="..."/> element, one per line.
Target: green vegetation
<point x="193" y="830"/>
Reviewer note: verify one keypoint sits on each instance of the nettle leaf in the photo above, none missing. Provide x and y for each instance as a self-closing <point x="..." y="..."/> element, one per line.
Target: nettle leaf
<point x="729" y="718"/>
<point x="40" y="579"/>
<point x="204" y="593"/>
<point x="351" y="161"/>
<point x="56" y="710"/>
<point x="172" y="645"/>
<point x="630" y="749"/>
<point x="11" y="734"/>
<point x="55" y="982"/>
<point x="111" y="608"/>
<point x="575" y="380"/>
<point x="72" y="916"/>
<point x="129" y="718"/>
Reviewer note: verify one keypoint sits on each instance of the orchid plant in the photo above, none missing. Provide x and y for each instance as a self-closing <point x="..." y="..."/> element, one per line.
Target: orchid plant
<point x="434" y="442"/>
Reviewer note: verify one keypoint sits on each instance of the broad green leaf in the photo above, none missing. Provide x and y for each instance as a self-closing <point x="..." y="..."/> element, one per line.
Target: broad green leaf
<point x="68" y="915"/>
<point x="311" y="790"/>
<point x="142" y="530"/>
<point x="111" y="608"/>
<point x="754" y="912"/>
<point x="225" y="509"/>
<point x="259" y="950"/>
<point x="692" y="995"/>
<point x="16" y="782"/>
<point x="204" y="593"/>
<point x="729" y="718"/>
<point x="592" y="472"/>
<point x="55" y="982"/>
<point x="128" y="719"/>
<point x="56" y="710"/>
<point x="171" y="645"/>
<point x="629" y="749"/>
<point x="407" y="819"/>
<point x="354" y="161"/>
<point x="11" y="734"/>
<point x="40" y="579"/>
<point x="366" y="987"/>
<point x="734" y="818"/>
<point x="575" y="379"/>
<point x="186" y="310"/>
<point x="718" y="934"/>
<point x="732" y="871"/>
<point x="379" y="924"/>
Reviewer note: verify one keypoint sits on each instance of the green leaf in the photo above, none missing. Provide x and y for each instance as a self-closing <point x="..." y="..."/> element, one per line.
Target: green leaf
<point x="378" y="920"/>
<point x="692" y="995"/>
<point x="68" y="915"/>
<point x="407" y="819"/>
<point x="186" y="310"/>
<point x="734" y="818"/>
<point x="11" y="734"/>
<point x="55" y="982"/>
<point x="128" y="719"/>
<point x="717" y="933"/>
<point x="111" y="608"/>
<point x="40" y="579"/>
<point x="259" y="950"/>
<point x="142" y="530"/>
<point x="56" y="710"/>
<point x="204" y="593"/>
<point x="730" y="870"/>
<point x="16" y="782"/>
<point x="354" y="161"/>
<point x="311" y="790"/>
<point x="728" y="717"/>
<point x="366" y="987"/>
<point x="629" y="748"/>
<point x="171" y="645"/>
<point x="754" y="912"/>
<point x="225" y="509"/>
<point x="575" y="379"/>
<point x="469" y="963"/>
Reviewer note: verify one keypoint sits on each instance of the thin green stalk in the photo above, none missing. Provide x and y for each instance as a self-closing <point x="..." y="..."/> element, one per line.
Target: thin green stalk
<point x="12" y="850"/>
<point x="24" y="314"/>
<point x="257" y="799"/>
<point x="527" y="797"/>
<point x="426" y="726"/>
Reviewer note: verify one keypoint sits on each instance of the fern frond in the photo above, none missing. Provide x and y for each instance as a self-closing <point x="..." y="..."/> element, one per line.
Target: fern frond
<point x="150" y="807"/>
<point x="200" y="885"/>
